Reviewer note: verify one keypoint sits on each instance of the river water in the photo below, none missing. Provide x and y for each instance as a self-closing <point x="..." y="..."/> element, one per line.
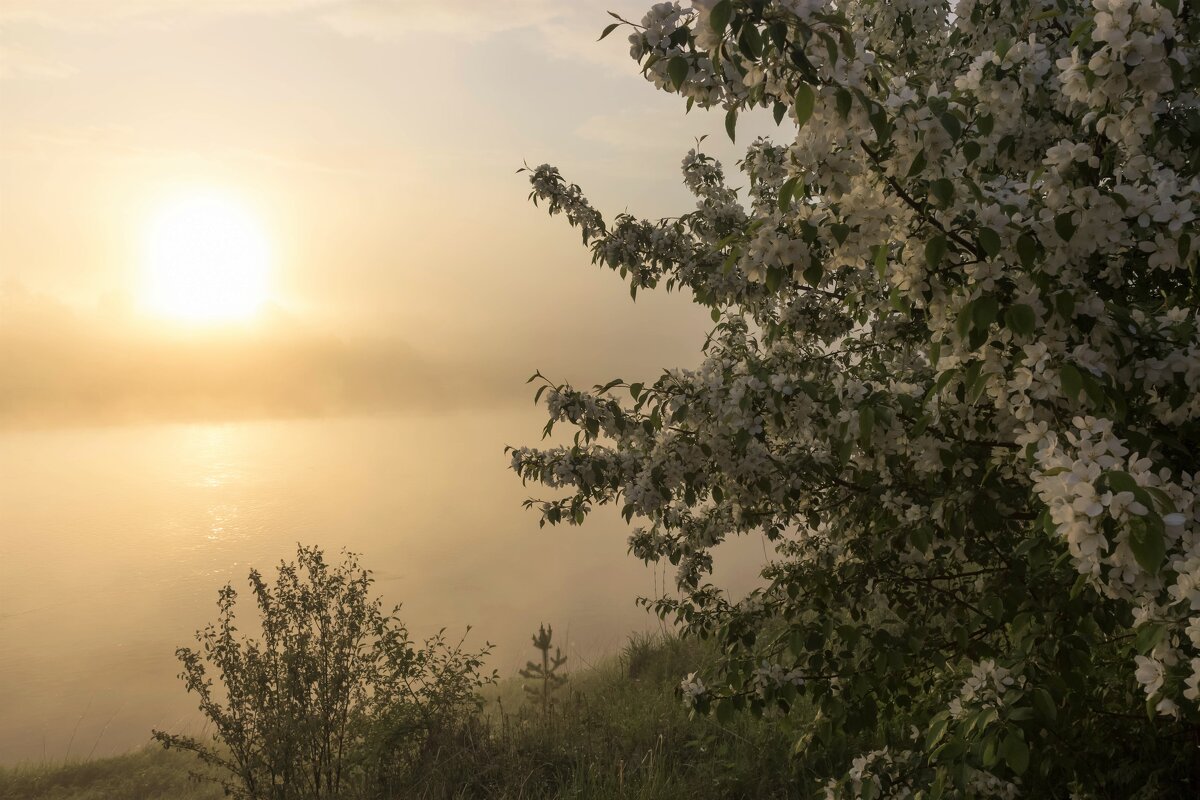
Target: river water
<point x="115" y="541"/>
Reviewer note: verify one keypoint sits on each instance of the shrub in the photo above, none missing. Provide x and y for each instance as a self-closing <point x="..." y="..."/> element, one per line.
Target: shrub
<point x="334" y="699"/>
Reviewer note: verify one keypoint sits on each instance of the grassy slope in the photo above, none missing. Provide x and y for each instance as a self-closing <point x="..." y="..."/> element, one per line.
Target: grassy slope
<point x="151" y="774"/>
<point x="616" y="731"/>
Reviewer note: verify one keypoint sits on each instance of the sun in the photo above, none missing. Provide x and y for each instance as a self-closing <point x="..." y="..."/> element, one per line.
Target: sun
<point x="205" y="259"/>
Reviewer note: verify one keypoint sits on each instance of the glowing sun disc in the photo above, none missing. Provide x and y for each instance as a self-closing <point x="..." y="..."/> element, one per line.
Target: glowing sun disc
<point x="206" y="258"/>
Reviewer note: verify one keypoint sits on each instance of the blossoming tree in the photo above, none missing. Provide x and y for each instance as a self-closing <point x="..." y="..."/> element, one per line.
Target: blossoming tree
<point x="953" y="377"/>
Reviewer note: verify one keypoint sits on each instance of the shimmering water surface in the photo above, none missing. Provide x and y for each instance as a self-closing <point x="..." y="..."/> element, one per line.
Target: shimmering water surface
<point x="114" y="542"/>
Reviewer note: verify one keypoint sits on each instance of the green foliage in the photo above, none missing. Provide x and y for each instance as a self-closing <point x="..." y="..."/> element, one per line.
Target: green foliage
<point x="334" y="700"/>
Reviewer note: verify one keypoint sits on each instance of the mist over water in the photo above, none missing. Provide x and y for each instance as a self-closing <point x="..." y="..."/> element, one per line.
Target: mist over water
<point x="114" y="542"/>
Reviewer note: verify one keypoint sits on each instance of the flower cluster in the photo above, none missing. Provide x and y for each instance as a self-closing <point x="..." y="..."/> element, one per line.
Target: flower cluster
<point x="986" y="687"/>
<point x="692" y="688"/>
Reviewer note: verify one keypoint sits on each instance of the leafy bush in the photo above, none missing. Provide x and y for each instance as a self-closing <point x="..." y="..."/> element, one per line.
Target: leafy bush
<point x="334" y="699"/>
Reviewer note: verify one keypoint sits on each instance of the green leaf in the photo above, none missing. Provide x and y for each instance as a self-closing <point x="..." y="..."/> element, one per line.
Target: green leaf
<point x="750" y="41"/>
<point x="938" y="789"/>
<point x="786" y="191"/>
<point x="677" y="71"/>
<point x="730" y="261"/>
<point x="962" y="325"/>
<point x="949" y="750"/>
<point x="1121" y="481"/>
<point x="943" y="191"/>
<point x="990" y="756"/>
<point x="830" y="46"/>
<point x="935" y="251"/>
<point x="983" y="312"/>
<point x="718" y="18"/>
<point x="725" y="711"/>
<point x="919" y="428"/>
<point x="985" y="124"/>
<point x="866" y="425"/>
<point x="779" y="34"/>
<point x="1147" y="540"/>
<point x="951" y="124"/>
<point x="979" y="378"/>
<point x="1027" y="248"/>
<point x="922" y="538"/>
<point x="609" y="29"/>
<point x="989" y="240"/>
<point x="918" y="164"/>
<point x="1044" y="704"/>
<point x="1015" y="752"/>
<point x="1064" y="227"/>
<point x="1160" y="498"/>
<point x="936" y="730"/>
<point x="731" y="123"/>
<point x="1149" y="636"/>
<point x="805" y="101"/>
<point x="1072" y="382"/>
<point x="943" y="381"/>
<point x="971" y="150"/>
<point x="1020" y="714"/>
<point x="1094" y="390"/>
<point x="881" y="254"/>
<point x="1064" y="303"/>
<point x="1020" y="319"/>
<point x="881" y="124"/>
<point x="840" y="231"/>
<point x="844" y="101"/>
<point x="725" y="241"/>
<point x="813" y="274"/>
<point x="779" y="111"/>
<point x="774" y="278"/>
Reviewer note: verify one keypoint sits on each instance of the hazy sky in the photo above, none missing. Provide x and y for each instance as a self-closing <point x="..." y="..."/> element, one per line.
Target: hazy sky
<point x="375" y="143"/>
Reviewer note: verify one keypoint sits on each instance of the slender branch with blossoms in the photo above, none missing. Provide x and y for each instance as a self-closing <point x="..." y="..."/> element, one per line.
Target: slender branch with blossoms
<point x="953" y="380"/>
